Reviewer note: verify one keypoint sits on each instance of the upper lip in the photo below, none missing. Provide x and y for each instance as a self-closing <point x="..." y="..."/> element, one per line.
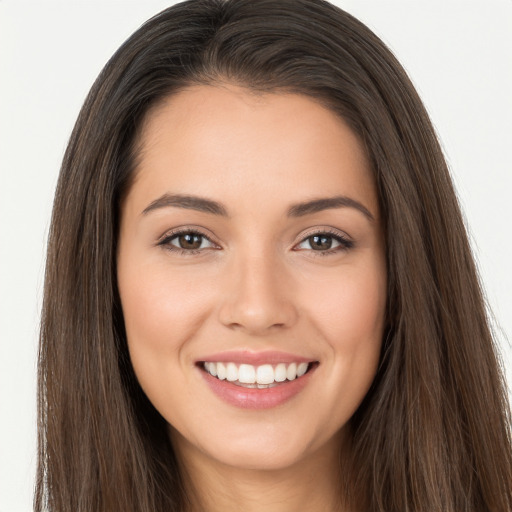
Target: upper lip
<point x="254" y="358"/>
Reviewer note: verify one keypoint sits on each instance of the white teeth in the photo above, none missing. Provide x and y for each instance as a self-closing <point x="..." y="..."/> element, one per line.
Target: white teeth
<point x="291" y="371"/>
<point x="262" y="376"/>
<point x="246" y="374"/>
<point x="301" y="369"/>
<point x="231" y="372"/>
<point x="280" y="372"/>
<point x="221" y="371"/>
<point x="265" y="374"/>
<point x="212" y="369"/>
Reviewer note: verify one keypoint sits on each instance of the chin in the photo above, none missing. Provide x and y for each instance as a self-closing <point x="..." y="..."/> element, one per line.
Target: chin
<point x="257" y="458"/>
<point x="266" y="448"/>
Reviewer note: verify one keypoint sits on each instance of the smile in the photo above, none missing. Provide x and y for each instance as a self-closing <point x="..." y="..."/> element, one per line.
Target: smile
<point x="273" y="379"/>
<point x="261" y="377"/>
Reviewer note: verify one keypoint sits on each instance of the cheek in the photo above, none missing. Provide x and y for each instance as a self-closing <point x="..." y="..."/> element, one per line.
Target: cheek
<point x="159" y="303"/>
<point x="350" y="313"/>
<point x="162" y="312"/>
<point x="349" y="306"/>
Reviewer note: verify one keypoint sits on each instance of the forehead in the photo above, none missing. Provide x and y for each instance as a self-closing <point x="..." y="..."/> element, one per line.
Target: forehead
<point x="228" y="140"/>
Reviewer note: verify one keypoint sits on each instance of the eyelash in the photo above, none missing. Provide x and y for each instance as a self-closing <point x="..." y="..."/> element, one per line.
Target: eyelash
<point x="166" y="241"/>
<point x="345" y="243"/>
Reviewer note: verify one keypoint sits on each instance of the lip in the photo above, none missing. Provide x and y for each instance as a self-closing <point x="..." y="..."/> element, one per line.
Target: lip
<point x="254" y="358"/>
<point x="253" y="398"/>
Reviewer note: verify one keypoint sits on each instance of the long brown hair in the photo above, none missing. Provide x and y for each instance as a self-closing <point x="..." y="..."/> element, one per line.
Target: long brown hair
<point x="433" y="433"/>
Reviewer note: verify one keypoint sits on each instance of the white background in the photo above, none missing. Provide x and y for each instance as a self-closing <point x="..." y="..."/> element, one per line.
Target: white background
<point x="458" y="53"/>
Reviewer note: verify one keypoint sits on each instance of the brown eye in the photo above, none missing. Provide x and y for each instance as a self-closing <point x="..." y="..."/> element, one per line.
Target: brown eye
<point x="320" y="242"/>
<point x="325" y="243"/>
<point x="190" y="240"/>
<point x="187" y="242"/>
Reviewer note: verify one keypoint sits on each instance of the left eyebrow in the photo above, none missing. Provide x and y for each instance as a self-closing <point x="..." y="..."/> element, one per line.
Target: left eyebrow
<point x="327" y="203"/>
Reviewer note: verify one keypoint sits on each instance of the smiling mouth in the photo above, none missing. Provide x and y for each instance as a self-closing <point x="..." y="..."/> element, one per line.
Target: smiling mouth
<point x="257" y="377"/>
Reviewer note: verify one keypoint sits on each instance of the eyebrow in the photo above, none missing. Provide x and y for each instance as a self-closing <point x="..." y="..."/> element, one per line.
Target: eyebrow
<point x="297" y="210"/>
<point x="327" y="203"/>
<point x="186" y="201"/>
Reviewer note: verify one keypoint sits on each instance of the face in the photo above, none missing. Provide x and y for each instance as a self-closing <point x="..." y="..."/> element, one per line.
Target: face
<point x="251" y="271"/>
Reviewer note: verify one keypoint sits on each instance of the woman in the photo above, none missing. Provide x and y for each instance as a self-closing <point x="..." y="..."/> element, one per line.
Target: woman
<point x="250" y="293"/>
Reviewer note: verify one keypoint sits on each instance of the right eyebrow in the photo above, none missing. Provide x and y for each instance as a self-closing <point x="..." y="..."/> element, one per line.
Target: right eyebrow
<point x="186" y="201"/>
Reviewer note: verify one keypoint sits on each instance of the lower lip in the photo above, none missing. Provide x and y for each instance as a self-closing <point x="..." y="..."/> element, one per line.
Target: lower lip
<point x="253" y="398"/>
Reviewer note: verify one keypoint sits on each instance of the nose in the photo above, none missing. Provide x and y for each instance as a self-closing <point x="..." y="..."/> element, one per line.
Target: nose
<point x="258" y="297"/>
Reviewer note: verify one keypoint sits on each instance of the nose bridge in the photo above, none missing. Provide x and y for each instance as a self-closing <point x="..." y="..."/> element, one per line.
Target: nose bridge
<point x="257" y="297"/>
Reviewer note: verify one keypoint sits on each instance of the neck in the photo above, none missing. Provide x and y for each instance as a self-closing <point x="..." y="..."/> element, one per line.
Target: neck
<point x="311" y="485"/>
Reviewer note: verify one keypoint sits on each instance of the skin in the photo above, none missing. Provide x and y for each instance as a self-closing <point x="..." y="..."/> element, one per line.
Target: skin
<point x="258" y="285"/>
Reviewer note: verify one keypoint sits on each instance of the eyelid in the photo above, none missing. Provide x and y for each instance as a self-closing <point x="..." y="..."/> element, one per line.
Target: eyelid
<point x="174" y="232"/>
<point x="341" y="237"/>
